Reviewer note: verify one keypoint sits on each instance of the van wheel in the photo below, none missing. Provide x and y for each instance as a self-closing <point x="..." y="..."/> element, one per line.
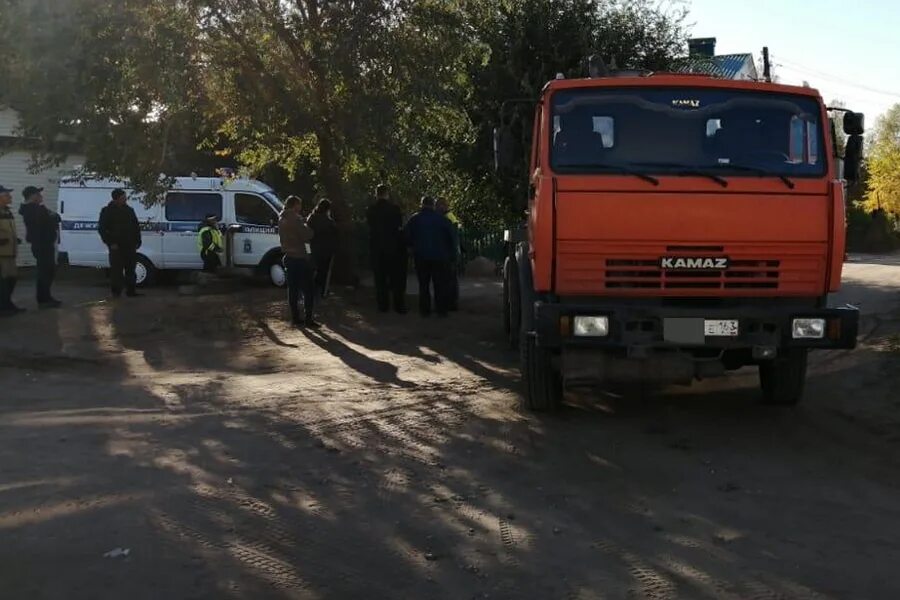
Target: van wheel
<point x="275" y="272"/>
<point x="782" y="380"/>
<point x="144" y="271"/>
<point x="543" y="384"/>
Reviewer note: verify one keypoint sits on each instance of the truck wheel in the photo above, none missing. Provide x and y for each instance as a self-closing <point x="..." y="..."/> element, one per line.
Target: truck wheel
<point x="512" y="303"/>
<point x="144" y="271"/>
<point x="543" y="385"/>
<point x="782" y="380"/>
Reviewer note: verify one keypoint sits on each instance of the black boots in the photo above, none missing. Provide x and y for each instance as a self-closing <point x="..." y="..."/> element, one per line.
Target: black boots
<point x="7" y="308"/>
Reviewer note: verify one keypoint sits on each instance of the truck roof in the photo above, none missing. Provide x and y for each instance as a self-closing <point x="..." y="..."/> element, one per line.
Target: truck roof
<point x="181" y="183"/>
<point x="679" y="80"/>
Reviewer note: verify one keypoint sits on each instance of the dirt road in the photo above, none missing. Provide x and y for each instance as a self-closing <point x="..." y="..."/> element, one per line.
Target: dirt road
<point x="386" y="457"/>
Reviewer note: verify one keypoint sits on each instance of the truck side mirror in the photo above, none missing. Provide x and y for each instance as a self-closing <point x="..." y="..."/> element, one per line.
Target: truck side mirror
<point x="854" y="123"/>
<point x="853" y="156"/>
<point x="504" y="154"/>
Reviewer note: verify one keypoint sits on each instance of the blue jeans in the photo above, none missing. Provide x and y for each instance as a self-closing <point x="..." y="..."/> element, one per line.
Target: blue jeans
<point x="300" y="279"/>
<point x="46" y="271"/>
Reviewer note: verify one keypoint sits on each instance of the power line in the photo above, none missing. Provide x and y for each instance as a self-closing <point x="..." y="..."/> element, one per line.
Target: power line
<point x="834" y="78"/>
<point x="854" y="95"/>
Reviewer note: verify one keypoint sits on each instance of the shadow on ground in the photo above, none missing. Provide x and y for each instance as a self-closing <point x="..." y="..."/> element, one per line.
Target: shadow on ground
<point x="384" y="457"/>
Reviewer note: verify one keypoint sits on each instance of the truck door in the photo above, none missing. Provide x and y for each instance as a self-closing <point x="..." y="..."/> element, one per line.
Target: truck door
<point x="184" y="213"/>
<point x="257" y="232"/>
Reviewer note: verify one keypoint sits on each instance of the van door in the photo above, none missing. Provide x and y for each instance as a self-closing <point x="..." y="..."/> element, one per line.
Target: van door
<point x="258" y="232"/>
<point x="184" y="214"/>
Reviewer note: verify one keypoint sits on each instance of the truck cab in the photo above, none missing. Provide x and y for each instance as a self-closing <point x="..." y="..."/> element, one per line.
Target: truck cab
<point x="678" y="227"/>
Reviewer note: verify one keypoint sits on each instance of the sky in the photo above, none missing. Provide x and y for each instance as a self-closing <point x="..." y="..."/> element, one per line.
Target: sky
<point x="848" y="50"/>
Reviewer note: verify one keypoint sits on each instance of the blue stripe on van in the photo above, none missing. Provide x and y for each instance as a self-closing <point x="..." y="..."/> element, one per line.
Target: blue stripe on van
<point x="181" y="227"/>
<point x="92" y="226"/>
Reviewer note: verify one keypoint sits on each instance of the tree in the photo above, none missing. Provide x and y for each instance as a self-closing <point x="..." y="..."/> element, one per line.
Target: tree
<point x="883" y="164"/>
<point x="335" y="95"/>
<point x="528" y="43"/>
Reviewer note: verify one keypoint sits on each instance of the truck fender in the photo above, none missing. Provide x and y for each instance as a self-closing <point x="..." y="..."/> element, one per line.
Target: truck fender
<point x="526" y="286"/>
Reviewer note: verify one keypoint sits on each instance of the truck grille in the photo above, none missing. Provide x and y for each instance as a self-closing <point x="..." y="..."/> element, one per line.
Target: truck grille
<point x="646" y="274"/>
<point x="633" y="269"/>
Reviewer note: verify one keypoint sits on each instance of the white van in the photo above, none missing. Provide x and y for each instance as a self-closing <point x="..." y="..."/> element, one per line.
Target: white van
<point x="248" y="211"/>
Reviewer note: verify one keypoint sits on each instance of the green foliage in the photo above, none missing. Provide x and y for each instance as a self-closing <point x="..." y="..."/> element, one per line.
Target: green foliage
<point x="319" y="96"/>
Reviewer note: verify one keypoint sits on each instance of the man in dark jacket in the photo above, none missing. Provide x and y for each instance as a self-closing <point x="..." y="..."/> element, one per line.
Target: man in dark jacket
<point x="430" y="235"/>
<point x="120" y="231"/>
<point x="42" y="232"/>
<point x="324" y="243"/>
<point x="388" y="252"/>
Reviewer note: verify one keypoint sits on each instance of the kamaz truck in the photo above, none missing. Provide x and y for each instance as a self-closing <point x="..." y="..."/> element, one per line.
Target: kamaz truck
<point x="679" y="226"/>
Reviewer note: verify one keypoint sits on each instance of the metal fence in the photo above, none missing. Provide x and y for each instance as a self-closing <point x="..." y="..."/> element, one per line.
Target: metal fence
<point x="473" y="243"/>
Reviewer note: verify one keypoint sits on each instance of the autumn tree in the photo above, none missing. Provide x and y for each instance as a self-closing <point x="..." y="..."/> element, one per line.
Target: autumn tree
<point x="883" y="164"/>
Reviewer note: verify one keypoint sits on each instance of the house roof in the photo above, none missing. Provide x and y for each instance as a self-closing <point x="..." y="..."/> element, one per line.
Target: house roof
<point x="726" y="66"/>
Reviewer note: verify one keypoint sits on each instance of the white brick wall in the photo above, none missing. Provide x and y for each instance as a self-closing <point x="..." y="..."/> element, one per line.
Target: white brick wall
<point x="15" y="173"/>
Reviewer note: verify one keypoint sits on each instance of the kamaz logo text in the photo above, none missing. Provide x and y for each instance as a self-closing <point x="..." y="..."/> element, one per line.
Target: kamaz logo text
<point x="671" y="262"/>
<point x="686" y="103"/>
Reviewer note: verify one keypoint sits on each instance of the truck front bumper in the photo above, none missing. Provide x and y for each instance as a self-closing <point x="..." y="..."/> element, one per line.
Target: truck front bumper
<point x="636" y="327"/>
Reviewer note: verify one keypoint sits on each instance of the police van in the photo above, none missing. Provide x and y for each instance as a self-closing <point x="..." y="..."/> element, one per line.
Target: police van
<point x="248" y="214"/>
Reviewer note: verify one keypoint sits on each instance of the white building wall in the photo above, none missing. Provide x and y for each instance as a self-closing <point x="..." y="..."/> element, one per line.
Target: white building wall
<point x="8" y="122"/>
<point x="15" y="173"/>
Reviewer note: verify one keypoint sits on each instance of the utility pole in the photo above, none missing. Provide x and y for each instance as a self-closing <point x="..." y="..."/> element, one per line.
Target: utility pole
<point x="767" y="65"/>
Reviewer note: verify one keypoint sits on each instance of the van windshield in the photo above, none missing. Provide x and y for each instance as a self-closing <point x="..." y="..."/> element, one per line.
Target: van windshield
<point x="669" y="130"/>
<point x="274" y="201"/>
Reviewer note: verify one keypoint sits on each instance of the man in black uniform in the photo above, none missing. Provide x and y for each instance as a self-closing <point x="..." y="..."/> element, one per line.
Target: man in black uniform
<point x="42" y="232"/>
<point x="388" y="251"/>
<point x="120" y="231"/>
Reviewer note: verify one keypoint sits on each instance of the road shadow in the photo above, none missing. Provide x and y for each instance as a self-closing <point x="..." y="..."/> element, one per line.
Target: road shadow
<point x="228" y="476"/>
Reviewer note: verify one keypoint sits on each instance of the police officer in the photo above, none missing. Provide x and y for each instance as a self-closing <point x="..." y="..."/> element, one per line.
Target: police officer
<point x="9" y="245"/>
<point x="388" y="251"/>
<point x="42" y="232"/>
<point x="210" y="244"/>
<point x="430" y="235"/>
<point x="120" y="231"/>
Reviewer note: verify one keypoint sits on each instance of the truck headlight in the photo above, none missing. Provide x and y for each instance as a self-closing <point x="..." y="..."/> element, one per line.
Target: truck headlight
<point x="808" y="329"/>
<point x="591" y="326"/>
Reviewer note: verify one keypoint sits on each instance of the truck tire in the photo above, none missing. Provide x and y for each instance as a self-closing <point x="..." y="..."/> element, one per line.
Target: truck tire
<point x="782" y="380"/>
<point x="512" y="303"/>
<point x="543" y="385"/>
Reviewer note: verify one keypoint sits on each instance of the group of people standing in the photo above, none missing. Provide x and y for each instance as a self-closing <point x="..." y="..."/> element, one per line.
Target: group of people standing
<point x="432" y="236"/>
<point x="309" y="238"/>
<point x="118" y="228"/>
<point x="309" y="242"/>
<point x="42" y="233"/>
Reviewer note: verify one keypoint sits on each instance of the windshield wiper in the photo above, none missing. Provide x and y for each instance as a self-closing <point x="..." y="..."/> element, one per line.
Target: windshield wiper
<point x="758" y="170"/>
<point x="614" y="169"/>
<point x="687" y="170"/>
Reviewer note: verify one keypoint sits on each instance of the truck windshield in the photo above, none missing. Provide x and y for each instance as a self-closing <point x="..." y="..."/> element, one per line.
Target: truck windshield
<point x="685" y="130"/>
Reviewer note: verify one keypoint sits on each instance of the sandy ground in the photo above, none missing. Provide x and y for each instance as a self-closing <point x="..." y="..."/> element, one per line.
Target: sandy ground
<point x="386" y="457"/>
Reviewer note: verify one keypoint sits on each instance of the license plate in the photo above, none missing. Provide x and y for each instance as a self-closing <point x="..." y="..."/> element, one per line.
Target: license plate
<point x="721" y="328"/>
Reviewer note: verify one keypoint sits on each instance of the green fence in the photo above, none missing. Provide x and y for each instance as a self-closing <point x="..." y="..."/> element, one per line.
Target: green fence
<point x="473" y="243"/>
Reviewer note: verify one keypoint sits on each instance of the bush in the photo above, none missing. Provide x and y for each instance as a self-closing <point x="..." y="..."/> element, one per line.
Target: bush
<point x="871" y="232"/>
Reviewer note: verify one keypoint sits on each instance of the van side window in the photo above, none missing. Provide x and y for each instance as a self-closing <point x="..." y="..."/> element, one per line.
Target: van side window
<point x="251" y="209"/>
<point x="192" y="206"/>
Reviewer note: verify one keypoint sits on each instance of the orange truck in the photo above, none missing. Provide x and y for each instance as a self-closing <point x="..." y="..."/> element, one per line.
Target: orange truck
<point x="679" y="226"/>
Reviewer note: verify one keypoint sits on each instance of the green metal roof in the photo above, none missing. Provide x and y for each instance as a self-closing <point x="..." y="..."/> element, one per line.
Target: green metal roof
<point x="726" y="66"/>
